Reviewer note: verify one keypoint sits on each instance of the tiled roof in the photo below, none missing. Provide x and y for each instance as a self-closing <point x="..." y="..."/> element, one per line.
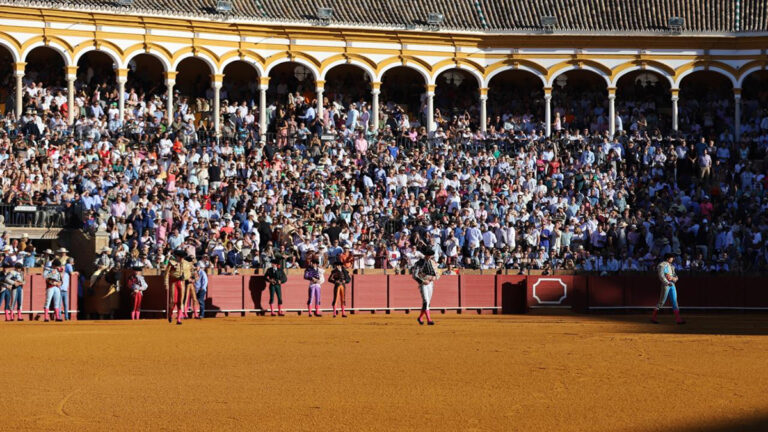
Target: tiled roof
<point x="722" y="16"/>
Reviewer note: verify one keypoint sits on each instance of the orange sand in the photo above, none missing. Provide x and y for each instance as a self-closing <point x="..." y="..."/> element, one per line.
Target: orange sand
<point x="384" y="372"/>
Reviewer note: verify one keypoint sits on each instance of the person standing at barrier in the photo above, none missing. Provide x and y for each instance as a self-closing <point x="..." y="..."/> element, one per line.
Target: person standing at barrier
<point x="53" y="279"/>
<point x="201" y="286"/>
<point x="314" y="274"/>
<point x="17" y="291"/>
<point x="190" y="295"/>
<point x="275" y="277"/>
<point x="668" y="277"/>
<point x="137" y="285"/>
<point x="66" y="277"/>
<point x="174" y="284"/>
<point x="339" y="278"/>
<point x="425" y="274"/>
<point x="6" y="285"/>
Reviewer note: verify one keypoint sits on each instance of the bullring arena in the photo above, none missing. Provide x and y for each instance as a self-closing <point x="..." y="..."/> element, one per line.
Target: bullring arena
<point x="481" y="215"/>
<point x="378" y="370"/>
<point x="490" y="372"/>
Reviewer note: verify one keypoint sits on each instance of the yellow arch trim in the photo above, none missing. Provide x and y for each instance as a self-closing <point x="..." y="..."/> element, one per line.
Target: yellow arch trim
<point x="12" y="41"/>
<point x="761" y="63"/>
<point x="707" y="64"/>
<point x="460" y="61"/>
<point x="98" y="42"/>
<point x="57" y="39"/>
<point x="143" y="47"/>
<point x="290" y="54"/>
<point x="194" y="50"/>
<point x="639" y="63"/>
<point x="552" y="71"/>
<point x="514" y="61"/>
<point x="242" y="54"/>
<point x="403" y="60"/>
<point x="351" y="56"/>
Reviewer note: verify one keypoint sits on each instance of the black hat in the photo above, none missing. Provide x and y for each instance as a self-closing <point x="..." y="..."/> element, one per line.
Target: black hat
<point x="56" y="263"/>
<point x="179" y="253"/>
<point x="19" y="265"/>
<point x="668" y="256"/>
<point x="189" y="258"/>
<point x="428" y="252"/>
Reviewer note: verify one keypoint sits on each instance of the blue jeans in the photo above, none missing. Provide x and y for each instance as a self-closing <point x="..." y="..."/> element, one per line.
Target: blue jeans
<point x="201" y="299"/>
<point x="5" y="296"/>
<point x="53" y="293"/>
<point x="16" y="298"/>
<point x="65" y="304"/>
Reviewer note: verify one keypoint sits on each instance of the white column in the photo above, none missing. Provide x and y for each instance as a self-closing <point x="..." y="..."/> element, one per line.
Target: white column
<point x="170" y="81"/>
<point x="122" y="77"/>
<point x="483" y="109"/>
<point x="19" y="88"/>
<point x="612" y="111"/>
<point x="216" y="82"/>
<point x="375" y="104"/>
<point x="430" y="108"/>
<point x="71" y="97"/>
<point x="320" y="88"/>
<point x="263" y="87"/>
<point x="548" y="110"/>
<point x="675" y="97"/>
<point x="737" y="114"/>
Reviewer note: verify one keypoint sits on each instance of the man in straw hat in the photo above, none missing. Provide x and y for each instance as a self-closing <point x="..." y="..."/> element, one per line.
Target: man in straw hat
<point x="102" y="263"/>
<point x="16" y="277"/>
<point x="52" y="276"/>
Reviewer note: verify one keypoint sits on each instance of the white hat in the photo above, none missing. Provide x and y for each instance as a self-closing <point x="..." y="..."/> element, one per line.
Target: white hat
<point x="62" y="250"/>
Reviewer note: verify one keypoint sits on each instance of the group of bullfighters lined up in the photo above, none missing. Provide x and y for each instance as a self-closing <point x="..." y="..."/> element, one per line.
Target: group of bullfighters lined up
<point x="186" y="284"/>
<point x="57" y="271"/>
<point x="187" y="287"/>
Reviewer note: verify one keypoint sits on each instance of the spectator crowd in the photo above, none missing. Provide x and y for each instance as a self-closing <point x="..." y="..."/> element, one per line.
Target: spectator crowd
<point x="333" y="186"/>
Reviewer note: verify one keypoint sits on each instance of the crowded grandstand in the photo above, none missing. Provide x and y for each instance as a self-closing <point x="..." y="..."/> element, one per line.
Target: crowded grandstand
<point x="519" y="136"/>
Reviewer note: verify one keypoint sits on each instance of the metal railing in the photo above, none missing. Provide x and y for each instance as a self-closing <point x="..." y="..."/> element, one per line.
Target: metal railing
<point x="34" y="216"/>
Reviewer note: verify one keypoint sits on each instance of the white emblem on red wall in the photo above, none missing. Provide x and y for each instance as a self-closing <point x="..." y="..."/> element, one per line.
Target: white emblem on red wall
<point x="550" y="284"/>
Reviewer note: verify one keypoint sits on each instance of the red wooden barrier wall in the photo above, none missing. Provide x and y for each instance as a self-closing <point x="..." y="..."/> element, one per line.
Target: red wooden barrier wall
<point x="369" y="292"/>
<point x="243" y="294"/>
<point x="445" y="296"/>
<point x="225" y="293"/>
<point x="478" y="292"/>
<point x="403" y="292"/>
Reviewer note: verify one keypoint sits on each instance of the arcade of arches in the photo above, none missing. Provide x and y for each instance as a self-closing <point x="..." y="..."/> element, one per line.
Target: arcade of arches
<point x="641" y="99"/>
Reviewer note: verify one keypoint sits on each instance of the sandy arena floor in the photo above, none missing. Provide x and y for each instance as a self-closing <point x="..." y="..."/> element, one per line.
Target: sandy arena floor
<point x="384" y="372"/>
